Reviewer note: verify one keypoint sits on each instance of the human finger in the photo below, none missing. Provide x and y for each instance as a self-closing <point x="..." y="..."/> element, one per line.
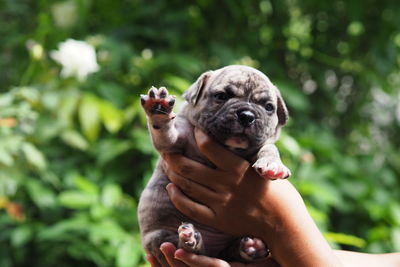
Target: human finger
<point x="194" y="190"/>
<point x="168" y="249"/>
<point x="192" y="169"/>
<point x="194" y="210"/>
<point x="194" y="260"/>
<point x="265" y="263"/>
<point x="220" y="156"/>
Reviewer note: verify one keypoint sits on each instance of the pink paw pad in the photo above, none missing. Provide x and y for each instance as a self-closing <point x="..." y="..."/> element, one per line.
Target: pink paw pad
<point x="189" y="238"/>
<point x="274" y="171"/>
<point x="157" y="101"/>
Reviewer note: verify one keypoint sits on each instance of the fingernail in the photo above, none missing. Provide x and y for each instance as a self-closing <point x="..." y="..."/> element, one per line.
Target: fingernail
<point x="163" y="164"/>
<point x="169" y="187"/>
<point x="198" y="132"/>
<point x="162" y="248"/>
<point x="199" y="135"/>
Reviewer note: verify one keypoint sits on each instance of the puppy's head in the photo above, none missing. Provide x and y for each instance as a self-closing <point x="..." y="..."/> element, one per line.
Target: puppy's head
<point x="238" y="106"/>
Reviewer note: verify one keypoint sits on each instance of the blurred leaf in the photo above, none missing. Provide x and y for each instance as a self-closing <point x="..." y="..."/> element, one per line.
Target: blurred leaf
<point x="76" y="199"/>
<point x="106" y="230"/>
<point x="345" y="239"/>
<point x="395" y="233"/>
<point x="5" y="158"/>
<point x="67" y="107"/>
<point x="34" y="156"/>
<point x="109" y="149"/>
<point x="41" y="195"/>
<point x="395" y="213"/>
<point x="177" y="83"/>
<point x="112" y="117"/>
<point x="21" y="235"/>
<point x="64" y="227"/>
<point x="74" y="139"/>
<point x="289" y="144"/>
<point x="293" y="96"/>
<point x="89" y="116"/>
<point x="85" y="185"/>
<point x="99" y="212"/>
<point x="112" y="195"/>
<point x="142" y="141"/>
<point x="128" y="253"/>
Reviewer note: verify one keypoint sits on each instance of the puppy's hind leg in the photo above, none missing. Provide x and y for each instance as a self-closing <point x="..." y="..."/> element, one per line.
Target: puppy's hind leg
<point x="153" y="241"/>
<point x="190" y="239"/>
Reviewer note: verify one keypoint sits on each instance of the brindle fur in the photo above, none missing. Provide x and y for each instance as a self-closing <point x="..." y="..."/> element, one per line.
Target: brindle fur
<point x="249" y="89"/>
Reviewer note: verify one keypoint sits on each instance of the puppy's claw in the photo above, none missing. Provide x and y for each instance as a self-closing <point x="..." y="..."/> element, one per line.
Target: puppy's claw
<point x="163" y="92"/>
<point x="152" y="92"/>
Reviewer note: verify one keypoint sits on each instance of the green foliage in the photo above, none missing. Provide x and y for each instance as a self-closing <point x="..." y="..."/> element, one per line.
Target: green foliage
<point x="75" y="154"/>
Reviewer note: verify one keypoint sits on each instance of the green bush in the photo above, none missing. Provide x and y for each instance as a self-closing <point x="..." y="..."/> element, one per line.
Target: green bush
<point x="75" y="152"/>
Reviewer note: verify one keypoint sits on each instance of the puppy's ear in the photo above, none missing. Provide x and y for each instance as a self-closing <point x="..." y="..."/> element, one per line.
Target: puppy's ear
<point x="195" y="91"/>
<point x="282" y="112"/>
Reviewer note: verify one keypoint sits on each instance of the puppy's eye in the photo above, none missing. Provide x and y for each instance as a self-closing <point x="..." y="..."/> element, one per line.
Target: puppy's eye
<point x="197" y="235"/>
<point x="269" y="107"/>
<point x="221" y="96"/>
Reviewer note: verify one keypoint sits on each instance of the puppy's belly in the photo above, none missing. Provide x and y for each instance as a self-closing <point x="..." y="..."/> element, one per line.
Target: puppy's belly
<point x="156" y="212"/>
<point x="214" y="241"/>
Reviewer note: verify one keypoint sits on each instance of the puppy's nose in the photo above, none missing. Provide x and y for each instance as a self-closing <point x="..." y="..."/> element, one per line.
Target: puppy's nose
<point x="246" y="118"/>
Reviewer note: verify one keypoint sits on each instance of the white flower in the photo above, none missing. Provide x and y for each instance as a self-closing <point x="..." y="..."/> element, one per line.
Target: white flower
<point x="77" y="58"/>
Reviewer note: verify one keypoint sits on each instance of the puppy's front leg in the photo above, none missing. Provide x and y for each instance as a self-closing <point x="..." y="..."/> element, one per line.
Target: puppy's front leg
<point x="158" y="106"/>
<point x="269" y="164"/>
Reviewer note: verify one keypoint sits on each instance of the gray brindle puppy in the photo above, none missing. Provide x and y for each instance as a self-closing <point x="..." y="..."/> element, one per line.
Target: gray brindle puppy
<point x="240" y="108"/>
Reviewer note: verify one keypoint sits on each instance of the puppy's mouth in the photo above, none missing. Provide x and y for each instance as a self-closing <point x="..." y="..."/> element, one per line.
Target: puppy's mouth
<point x="237" y="142"/>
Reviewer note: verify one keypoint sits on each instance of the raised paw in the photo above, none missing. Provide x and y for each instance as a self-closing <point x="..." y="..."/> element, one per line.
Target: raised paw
<point x="189" y="238"/>
<point x="158" y="101"/>
<point x="253" y="249"/>
<point x="271" y="170"/>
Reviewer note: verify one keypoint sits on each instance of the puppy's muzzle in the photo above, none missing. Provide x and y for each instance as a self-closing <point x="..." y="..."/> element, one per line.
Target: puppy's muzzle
<point x="246" y="118"/>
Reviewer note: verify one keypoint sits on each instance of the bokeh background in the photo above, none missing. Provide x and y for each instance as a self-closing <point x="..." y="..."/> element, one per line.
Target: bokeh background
<point x="75" y="152"/>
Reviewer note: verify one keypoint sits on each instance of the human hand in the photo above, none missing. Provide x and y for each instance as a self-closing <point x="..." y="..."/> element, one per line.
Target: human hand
<point x="219" y="196"/>
<point x="181" y="258"/>
<point x="234" y="199"/>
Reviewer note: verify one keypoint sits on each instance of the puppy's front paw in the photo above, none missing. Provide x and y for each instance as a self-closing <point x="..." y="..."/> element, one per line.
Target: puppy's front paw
<point x="189" y="238"/>
<point x="253" y="249"/>
<point x="271" y="169"/>
<point x="158" y="102"/>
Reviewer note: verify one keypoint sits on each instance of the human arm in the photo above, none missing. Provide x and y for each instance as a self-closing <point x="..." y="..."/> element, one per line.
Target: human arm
<point x="271" y="210"/>
<point x="181" y="258"/>
<point x="355" y="259"/>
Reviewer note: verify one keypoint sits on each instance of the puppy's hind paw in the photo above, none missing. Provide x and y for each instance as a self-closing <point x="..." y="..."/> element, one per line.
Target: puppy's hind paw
<point x="253" y="249"/>
<point x="189" y="238"/>
<point x="158" y="102"/>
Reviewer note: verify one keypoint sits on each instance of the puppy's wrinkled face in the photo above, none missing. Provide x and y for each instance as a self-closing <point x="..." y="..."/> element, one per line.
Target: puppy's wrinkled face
<point x="240" y="108"/>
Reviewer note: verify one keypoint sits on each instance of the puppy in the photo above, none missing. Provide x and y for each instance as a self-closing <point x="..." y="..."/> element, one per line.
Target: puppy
<point x="240" y="108"/>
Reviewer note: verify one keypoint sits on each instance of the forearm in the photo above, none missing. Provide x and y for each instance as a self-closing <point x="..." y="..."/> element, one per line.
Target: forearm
<point x="351" y="259"/>
<point x="291" y="234"/>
